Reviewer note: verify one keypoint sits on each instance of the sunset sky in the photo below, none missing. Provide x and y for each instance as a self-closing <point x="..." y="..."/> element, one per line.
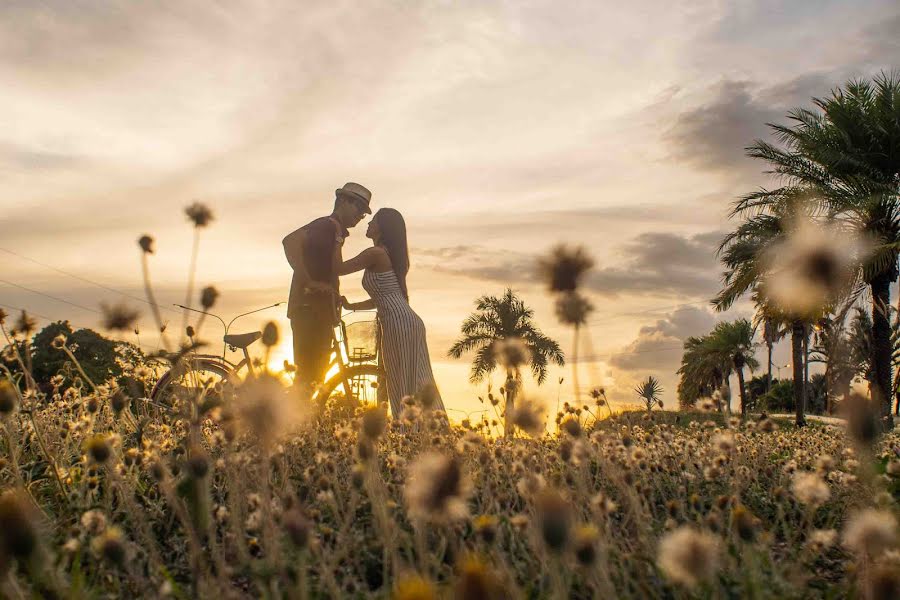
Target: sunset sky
<point x="498" y="129"/>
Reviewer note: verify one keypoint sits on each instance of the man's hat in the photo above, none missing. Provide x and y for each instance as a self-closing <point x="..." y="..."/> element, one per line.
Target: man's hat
<point x="357" y="192"/>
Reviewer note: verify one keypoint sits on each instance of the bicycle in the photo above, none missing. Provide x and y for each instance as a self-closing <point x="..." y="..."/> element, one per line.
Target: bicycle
<point x="353" y="367"/>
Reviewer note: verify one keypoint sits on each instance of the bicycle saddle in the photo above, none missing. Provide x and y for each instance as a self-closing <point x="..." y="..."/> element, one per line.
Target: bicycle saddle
<point x="242" y="340"/>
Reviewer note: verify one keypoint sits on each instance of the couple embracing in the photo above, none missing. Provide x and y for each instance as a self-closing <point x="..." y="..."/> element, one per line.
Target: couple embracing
<point x="315" y="254"/>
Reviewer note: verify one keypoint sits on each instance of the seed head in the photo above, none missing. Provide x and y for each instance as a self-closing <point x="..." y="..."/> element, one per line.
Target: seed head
<point x="18" y="530"/>
<point x="98" y="448"/>
<point x="270" y="334"/>
<point x="198" y="463"/>
<point x="584" y="544"/>
<point x="485" y="527"/>
<point x="208" y="297"/>
<point x="688" y="556"/>
<point x="572" y="308"/>
<point x="511" y="353"/>
<point x="564" y="267"/>
<point x="870" y="532"/>
<point x="477" y="580"/>
<point x="265" y="409"/>
<point x="413" y="587"/>
<point x="554" y="519"/>
<point x="25" y="324"/>
<point x="437" y="489"/>
<point x="374" y="422"/>
<point x="530" y="416"/>
<point x="9" y="399"/>
<point x="59" y="342"/>
<point x="199" y="214"/>
<point x="821" y="539"/>
<point x="119" y="401"/>
<point x="744" y="523"/>
<point x="810" y="488"/>
<point x="118" y="317"/>
<point x="572" y="426"/>
<point x="297" y="527"/>
<point x="94" y="522"/>
<point x="111" y="546"/>
<point x="884" y="583"/>
<point x="146" y="243"/>
<point x="428" y="396"/>
<point x="810" y="268"/>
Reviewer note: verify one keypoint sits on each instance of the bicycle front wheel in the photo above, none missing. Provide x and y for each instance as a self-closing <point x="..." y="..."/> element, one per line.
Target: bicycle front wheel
<point x="357" y="385"/>
<point x="187" y="383"/>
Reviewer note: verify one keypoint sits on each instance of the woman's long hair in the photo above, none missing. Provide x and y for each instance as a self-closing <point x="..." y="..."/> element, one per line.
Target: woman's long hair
<point x="393" y="237"/>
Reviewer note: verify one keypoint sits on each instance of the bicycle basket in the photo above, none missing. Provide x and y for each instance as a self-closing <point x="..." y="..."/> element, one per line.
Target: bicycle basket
<point x="362" y="344"/>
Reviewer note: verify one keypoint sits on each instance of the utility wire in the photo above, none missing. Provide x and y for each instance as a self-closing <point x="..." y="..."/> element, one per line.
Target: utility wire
<point x="73" y="324"/>
<point x="84" y="279"/>
<point x="58" y="299"/>
<point x="25" y="310"/>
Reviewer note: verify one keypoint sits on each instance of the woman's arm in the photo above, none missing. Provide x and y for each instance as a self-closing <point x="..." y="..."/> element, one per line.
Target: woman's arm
<point x="364" y="305"/>
<point x="363" y="260"/>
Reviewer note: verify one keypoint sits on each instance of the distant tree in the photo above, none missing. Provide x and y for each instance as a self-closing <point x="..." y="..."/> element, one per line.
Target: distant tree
<point x="499" y="319"/>
<point x="818" y="394"/>
<point x="703" y="371"/>
<point x="846" y="149"/>
<point x="779" y="399"/>
<point x="733" y="343"/>
<point x="100" y="357"/>
<point x="757" y="387"/>
<point x="649" y="392"/>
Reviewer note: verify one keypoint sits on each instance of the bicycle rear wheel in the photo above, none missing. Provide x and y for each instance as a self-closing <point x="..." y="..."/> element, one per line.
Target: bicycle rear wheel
<point x="185" y="384"/>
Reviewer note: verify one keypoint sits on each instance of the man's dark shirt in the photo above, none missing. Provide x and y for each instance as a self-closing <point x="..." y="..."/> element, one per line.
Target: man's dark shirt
<point x="322" y="238"/>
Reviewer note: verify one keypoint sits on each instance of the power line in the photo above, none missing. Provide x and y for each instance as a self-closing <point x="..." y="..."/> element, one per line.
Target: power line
<point x="84" y="279"/>
<point x="39" y="293"/>
<point x="72" y="323"/>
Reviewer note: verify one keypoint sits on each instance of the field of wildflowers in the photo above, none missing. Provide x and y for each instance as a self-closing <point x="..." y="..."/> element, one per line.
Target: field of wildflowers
<point x="239" y="488"/>
<point x="228" y="495"/>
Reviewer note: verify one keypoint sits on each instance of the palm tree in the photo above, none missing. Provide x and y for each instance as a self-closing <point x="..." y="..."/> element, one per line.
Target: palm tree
<point x="650" y="391"/>
<point x="773" y="329"/>
<point x="832" y="348"/>
<point x="742" y="253"/>
<point x="702" y="371"/>
<point x="505" y="318"/>
<point x="848" y="151"/>
<point x="733" y="343"/>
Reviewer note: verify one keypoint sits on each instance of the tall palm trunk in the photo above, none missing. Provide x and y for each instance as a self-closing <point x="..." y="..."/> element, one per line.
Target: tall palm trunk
<point x="511" y="389"/>
<point x="740" y="375"/>
<point x="798" y="332"/>
<point x="881" y="345"/>
<point x="769" y="375"/>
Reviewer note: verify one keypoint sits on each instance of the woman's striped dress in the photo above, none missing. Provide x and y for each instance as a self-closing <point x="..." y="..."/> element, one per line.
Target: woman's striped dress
<point x="403" y="345"/>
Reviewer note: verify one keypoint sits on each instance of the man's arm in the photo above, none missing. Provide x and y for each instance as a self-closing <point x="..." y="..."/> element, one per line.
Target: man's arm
<point x="293" y="250"/>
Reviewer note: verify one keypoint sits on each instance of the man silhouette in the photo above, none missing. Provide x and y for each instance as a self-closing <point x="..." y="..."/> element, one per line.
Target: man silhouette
<point x="314" y="301"/>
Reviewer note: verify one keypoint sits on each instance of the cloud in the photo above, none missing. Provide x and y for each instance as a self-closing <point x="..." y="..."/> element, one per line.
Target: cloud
<point x="662" y="264"/>
<point x="659" y="346"/>
<point x="731" y="113"/>
<point x="658" y="263"/>
<point x="16" y="156"/>
<point x="713" y="135"/>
